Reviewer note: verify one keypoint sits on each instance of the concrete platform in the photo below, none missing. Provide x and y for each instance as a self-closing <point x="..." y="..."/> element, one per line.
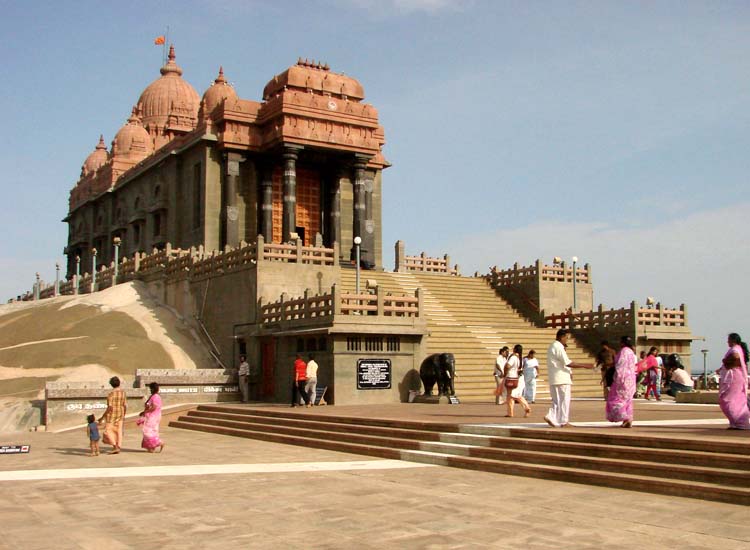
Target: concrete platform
<point x="209" y="491"/>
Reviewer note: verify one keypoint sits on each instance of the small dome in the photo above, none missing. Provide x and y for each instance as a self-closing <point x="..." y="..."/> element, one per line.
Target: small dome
<point x="132" y="139"/>
<point x="96" y="159"/>
<point x="216" y="93"/>
<point x="166" y="94"/>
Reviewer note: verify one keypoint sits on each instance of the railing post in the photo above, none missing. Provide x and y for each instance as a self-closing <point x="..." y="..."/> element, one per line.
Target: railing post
<point x="336" y="251"/>
<point x="457" y="270"/>
<point x="306" y="304"/>
<point x="447" y="264"/>
<point x="683" y="308"/>
<point x="298" y="251"/>
<point x="260" y="249"/>
<point x="282" y="307"/>
<point x="336" y="299"/>
<point x="539" y="269"/>
<point x="661" y="314"/>
<point x="587" y="267"/>
<point x="420" y="302"/>
<point x="564" y="272"/>
<point x="259" y="311"/>
<point x="423" y="256"/>
<point x="379" y="300"/>
<point x="600" y="316"/>
<point x="634" y="313"/>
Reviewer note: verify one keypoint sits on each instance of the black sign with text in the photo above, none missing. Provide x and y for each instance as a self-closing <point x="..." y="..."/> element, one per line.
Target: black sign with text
<point x="14" y="449"/>
<point x="373" y="374"/>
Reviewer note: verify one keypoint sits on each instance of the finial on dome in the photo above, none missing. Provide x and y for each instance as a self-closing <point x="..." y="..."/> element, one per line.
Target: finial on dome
<point x="171" y="66"/>
<point x="171" y="53"/>
<point x="134" y="118"/>
<point x="220" y="79"/>
<point x="101" y="144"/>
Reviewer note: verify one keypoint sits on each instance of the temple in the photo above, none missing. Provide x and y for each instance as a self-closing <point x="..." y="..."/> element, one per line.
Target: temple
<point x="247" y="217"/>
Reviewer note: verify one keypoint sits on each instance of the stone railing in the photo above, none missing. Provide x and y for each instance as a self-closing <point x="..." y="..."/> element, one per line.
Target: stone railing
<point x="195" y="262"/>
<point x="605" y="318"/>
<point x="561" y="273"/>
<point x="423" y="263"/>
<point x="325" y="306"/>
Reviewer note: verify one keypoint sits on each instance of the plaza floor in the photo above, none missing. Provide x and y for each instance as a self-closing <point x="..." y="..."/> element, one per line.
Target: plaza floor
<point x="211" y="491"/>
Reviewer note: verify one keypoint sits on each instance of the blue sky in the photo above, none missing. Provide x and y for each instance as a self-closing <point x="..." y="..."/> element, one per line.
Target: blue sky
<point x="614" y="131"/>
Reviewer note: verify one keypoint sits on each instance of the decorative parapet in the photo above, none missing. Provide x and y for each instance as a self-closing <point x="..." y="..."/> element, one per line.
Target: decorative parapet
<point x="423" y="263"/>
<point x="557" y="272"/>
<point x="196" y="262"/>
<point x="657" y="316"/>
<point x="324" y="307"/>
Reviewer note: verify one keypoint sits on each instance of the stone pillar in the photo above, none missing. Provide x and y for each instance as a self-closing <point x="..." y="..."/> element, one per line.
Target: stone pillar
<point x="266" y="208"/>
<point x="231" y="188"/>
<point x="289" y="217"/>
<point x="368" y="239"/>
<point x="400" y="257"/>
<point x="334" y="200"/>
<point x="359" y="208"/>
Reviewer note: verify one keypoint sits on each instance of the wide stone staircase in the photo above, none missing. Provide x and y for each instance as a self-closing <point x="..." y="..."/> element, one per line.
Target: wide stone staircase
<point x="467" y="318"/>
<point x="716" y="470"/>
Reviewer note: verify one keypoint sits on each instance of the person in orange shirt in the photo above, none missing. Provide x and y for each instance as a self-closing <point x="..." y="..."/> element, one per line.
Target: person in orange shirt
<point x="300" y="379"/>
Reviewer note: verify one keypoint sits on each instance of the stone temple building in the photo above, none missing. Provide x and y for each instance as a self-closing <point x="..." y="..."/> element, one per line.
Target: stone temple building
<point x="215" y="170"/>
<point x="246" y="216"/>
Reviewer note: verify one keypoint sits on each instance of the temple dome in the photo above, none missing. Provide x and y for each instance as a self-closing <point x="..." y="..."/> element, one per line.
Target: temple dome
<point x="316" y="77"/>
<point x="132" y="139"/>
<point x="219" y="91"/>
<point x="167" y="94"/>
<point x="96" y="159"/>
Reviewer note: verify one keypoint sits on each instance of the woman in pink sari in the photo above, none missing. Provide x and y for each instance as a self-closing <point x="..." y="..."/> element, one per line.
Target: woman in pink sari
<point x="733" y="384"/>
<point x="150" y="419"/>
<point x="620" y="397"/>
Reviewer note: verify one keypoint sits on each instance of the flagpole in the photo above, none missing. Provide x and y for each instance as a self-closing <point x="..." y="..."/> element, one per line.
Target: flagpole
<point x="164" y="47"/>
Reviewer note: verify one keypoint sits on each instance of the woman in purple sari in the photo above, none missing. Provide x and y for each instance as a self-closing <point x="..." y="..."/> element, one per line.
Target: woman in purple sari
<point x="150" y="419"/>
<point x="620" y="397"/>
<point x="733" y="384"/>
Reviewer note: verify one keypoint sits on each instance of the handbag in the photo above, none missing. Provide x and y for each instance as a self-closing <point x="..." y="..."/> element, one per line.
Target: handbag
<point x="511" y="383"/>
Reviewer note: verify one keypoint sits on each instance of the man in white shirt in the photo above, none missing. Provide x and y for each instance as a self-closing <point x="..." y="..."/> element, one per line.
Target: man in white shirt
<point x="243" y="374"/>
<point x="499" y="373"/>
<point x="559" y="369"/>
<point x="312" y="379"/>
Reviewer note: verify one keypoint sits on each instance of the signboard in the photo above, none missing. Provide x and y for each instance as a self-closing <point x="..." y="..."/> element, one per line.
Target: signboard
<point x="373" y="374"/>
<point x="14" y="449"/>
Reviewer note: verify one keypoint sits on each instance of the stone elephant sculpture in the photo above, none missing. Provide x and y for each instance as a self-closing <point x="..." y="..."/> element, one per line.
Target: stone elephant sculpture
<point x="440" y="369"/>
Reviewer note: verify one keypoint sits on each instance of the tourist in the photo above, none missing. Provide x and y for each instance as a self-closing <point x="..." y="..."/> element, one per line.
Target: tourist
<point x="619" y="406"/>
<point x="530" y="374"/>
<point x="733" y="384"/>
<point x="679" y="380"/>
<point x="114" y="416"/>
<point x="653" y="376"/>
<point x="243" y="376"/>
<point x="300" y="377"/>
<point x="502" y="358"/>
<point x="312" y="378"/>
<point x="514" y="385"/>
<point x="92" y="431"/>
<point x="605" y="360"/>
<point x="559" y="370"/>
<point x="149" y="420"/>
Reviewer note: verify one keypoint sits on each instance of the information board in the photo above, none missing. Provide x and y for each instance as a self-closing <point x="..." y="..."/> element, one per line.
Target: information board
<point x="373" y="374"/>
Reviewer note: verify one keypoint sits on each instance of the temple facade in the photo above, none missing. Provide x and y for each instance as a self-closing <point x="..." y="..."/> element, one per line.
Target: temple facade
<point x="304" y="163"/>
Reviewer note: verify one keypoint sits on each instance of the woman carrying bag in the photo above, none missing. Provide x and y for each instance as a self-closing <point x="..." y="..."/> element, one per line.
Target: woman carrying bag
<point x="514" y="384"/>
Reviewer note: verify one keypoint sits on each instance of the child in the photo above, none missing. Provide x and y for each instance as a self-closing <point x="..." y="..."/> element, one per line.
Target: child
<point x="92" y="430"/>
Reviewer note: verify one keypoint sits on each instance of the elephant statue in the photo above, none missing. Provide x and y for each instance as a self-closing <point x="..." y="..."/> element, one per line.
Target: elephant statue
<point x="440" y="369"/>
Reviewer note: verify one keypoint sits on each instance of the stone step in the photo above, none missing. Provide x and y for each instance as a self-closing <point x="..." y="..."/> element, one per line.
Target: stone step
<point x="669" y="471"/>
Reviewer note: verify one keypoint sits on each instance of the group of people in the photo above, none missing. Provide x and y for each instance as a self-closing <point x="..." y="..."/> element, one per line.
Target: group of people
<point x="620" y="373"/>
<point x="516" y="377"/>
<point x="305" y="381"/>
<point x="113" y="420"/>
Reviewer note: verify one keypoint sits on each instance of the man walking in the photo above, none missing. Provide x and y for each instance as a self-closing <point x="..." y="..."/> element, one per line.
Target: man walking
<point x="559" y="369"/>
<point x="300" y="377"/>
<point x="312" y="378"/>
<point x="114" y="416"/>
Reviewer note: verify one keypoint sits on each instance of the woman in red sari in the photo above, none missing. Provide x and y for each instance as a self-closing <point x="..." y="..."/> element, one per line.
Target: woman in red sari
<point x="150" y="420"/>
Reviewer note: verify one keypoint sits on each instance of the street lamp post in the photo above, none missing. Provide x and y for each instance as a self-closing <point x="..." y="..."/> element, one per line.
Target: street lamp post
<point x="357" y="243"/>
<point x="575" y="297"/>
<point x="116" y="241"/>
<point x="57" y="278"/>
<point x="705" y="374"/>
<point x="37" y="289"/>
<point x="78" y="274"/>
<point x="93" y="270"/>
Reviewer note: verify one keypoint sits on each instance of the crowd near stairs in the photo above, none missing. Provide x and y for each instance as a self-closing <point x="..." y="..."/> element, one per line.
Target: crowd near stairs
<point x="694" y="468"/>
<point x="469" y="319"/>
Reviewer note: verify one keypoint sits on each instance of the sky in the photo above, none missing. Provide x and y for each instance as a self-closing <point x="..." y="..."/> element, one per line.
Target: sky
<point x="611" y="131"/>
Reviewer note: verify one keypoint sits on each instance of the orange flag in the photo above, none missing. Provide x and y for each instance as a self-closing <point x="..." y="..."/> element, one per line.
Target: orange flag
<point x="159" y="40"/>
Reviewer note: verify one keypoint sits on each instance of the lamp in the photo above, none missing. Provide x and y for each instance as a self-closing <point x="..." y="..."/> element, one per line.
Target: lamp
<point x="650" y="301"/>
<point x="116" y="241"/>
<point x="57" y="278"/>
<point x="575" y="276"/>
<point x="357" y="243"/>
<point x="93" y="270"/>
<point x="705" y="375"/>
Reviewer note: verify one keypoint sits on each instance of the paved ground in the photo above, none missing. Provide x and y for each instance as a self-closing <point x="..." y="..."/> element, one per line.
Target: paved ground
<point x="209" y="491"/>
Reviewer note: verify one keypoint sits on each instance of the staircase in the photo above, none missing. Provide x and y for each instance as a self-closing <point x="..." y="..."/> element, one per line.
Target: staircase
<point x="467" y="318"/>
<point x="711" y="470"/>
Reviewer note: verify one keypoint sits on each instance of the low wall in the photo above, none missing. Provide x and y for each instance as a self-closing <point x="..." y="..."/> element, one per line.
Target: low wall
<point x="702" y="397"/>
<point x="68" y="404"/>
<point x="190" y="385"/>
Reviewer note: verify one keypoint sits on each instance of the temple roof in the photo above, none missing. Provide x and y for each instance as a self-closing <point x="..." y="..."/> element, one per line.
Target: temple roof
<point x="315" y="77"/>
